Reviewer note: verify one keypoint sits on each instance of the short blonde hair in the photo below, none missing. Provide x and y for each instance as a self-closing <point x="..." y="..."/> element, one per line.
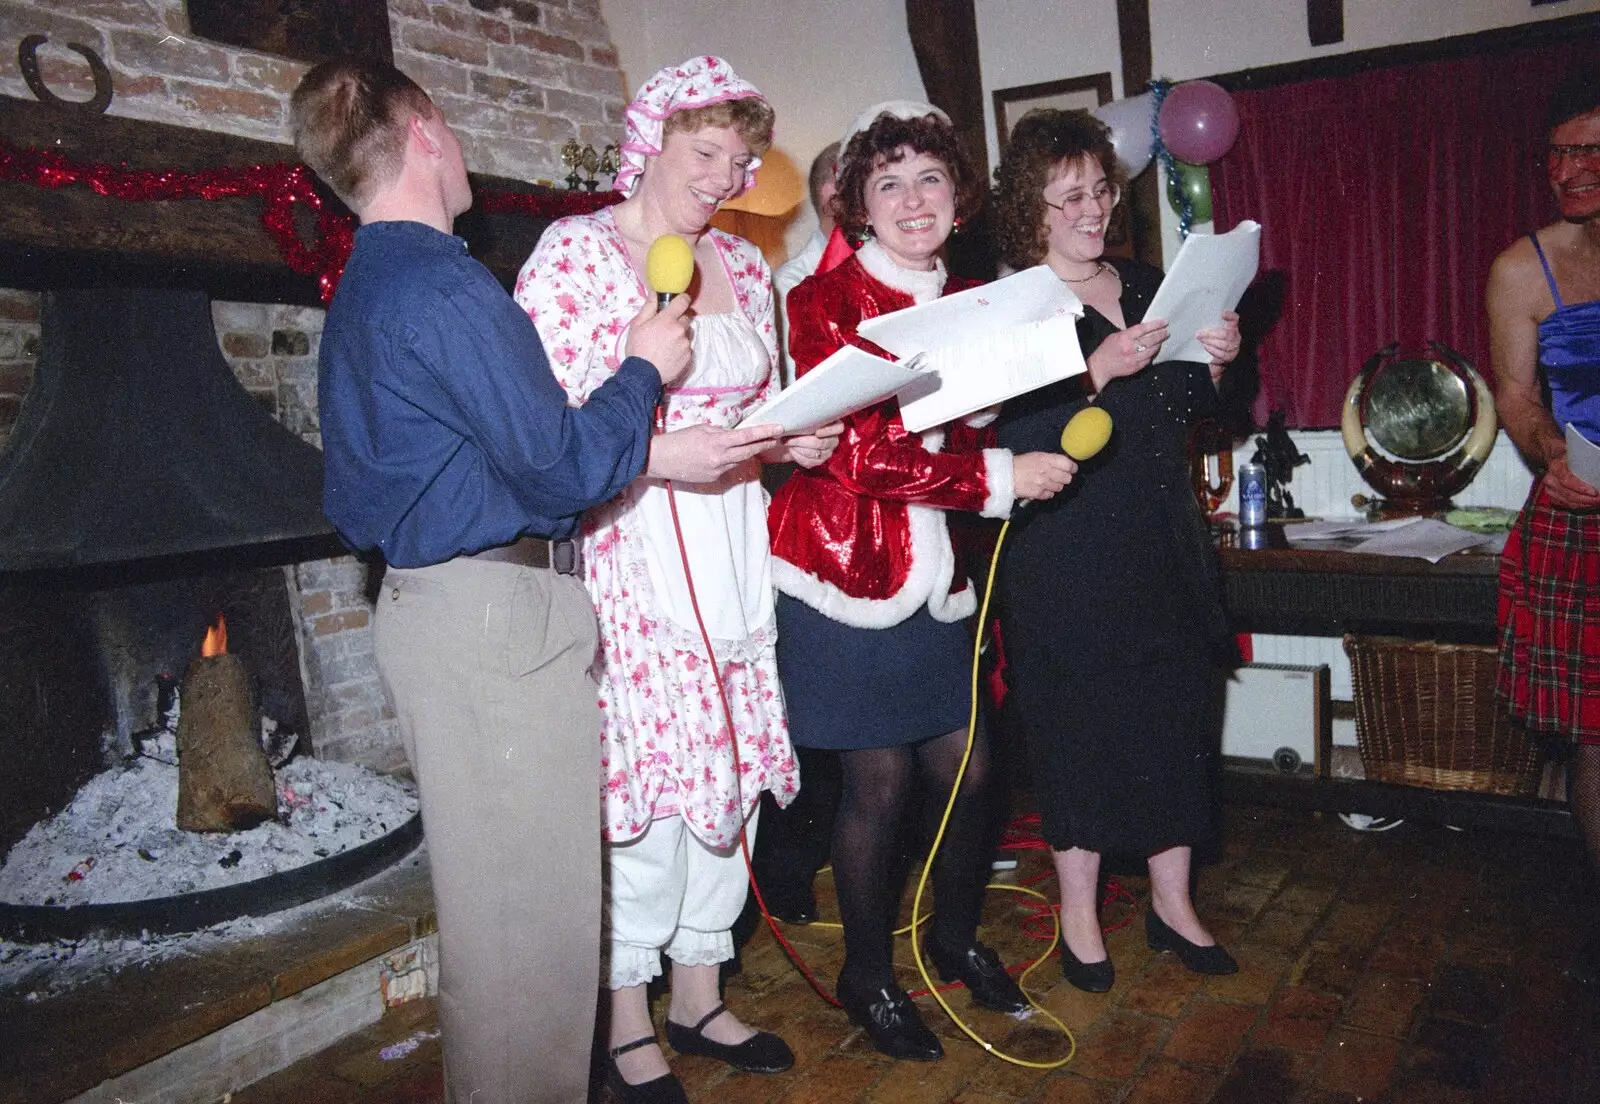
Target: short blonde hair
<point x="751" y="118"/>
<point x="349" y="119"/>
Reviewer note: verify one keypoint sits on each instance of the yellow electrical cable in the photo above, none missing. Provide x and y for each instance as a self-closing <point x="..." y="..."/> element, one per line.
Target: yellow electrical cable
<point x="927" y="866"/>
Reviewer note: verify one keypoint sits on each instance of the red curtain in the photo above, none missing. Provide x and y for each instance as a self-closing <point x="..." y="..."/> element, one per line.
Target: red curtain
<point x="1383" y="198"/>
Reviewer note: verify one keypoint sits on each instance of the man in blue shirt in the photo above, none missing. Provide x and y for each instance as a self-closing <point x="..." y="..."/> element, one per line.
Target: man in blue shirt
<point x="450" y="448"/>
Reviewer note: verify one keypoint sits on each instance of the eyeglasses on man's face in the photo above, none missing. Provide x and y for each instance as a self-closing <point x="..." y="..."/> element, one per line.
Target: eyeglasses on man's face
<point x="1584" y="156"/>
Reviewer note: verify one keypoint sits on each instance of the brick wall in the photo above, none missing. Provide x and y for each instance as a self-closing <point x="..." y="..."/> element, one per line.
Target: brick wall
<point x="516" y="79"/>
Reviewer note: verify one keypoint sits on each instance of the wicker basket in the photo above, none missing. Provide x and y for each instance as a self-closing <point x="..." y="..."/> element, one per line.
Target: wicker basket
<point x="1426" y="715"/>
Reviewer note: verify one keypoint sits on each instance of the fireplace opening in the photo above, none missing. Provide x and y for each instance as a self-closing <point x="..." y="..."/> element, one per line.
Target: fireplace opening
<point x="82" y="670"/>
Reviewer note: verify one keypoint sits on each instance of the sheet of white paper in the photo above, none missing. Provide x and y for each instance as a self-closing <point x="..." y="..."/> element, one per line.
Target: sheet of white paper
<point x="1208" y="276"/>
<point x="990" y="369"/>
<point x="1428" y="539"/>
<point x="1331" y="529"/>
<point x="1583" y="456"/>
<point x="1032" y="295"/>
<point x="843" y="383"/>
<point x="984" y="345"/>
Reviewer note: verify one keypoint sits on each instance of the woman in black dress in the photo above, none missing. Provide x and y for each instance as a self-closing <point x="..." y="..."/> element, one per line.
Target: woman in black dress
<point x="1111" y="598"/>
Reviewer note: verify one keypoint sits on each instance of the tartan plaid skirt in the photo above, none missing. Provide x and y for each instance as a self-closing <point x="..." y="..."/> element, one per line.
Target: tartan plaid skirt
<point x="1549" y="612"/>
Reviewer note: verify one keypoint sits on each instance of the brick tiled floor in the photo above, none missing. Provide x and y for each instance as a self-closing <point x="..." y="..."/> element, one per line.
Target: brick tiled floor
<point x="1417" y="965"/>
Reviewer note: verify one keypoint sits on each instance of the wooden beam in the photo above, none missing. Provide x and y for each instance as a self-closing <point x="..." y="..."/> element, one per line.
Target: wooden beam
<point x="1325" y="21"/>
<point x="1144" y="195"/>
<point x="944" y="37"/>
<point x="1500" y="39"/>
<point x="72" y="236"/>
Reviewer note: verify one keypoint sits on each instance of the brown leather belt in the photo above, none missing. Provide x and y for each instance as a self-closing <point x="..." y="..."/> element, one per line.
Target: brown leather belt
<point x="535" y="552"/>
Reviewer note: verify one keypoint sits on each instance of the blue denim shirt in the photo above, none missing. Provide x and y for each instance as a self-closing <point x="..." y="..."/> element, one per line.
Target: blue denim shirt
<point x="444" y="431"/>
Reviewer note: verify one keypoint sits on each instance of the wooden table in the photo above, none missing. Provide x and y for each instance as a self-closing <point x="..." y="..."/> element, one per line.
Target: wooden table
<point x="1323" y="589"/>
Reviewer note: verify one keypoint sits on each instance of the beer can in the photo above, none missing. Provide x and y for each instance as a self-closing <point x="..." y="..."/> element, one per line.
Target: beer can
<point x="1253" y="539"/>
<point x="1252" y="496"/>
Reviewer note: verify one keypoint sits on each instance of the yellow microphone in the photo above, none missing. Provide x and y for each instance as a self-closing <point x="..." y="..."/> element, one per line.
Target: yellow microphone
<point x="1086" y="433"/>
<point x="668" y="268"/>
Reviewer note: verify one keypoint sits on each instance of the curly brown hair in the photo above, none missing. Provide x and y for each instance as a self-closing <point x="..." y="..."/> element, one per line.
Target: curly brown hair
<point x="751" y="118"/>
<point x="883" y="143"/>
<point x="1044" y="140"/>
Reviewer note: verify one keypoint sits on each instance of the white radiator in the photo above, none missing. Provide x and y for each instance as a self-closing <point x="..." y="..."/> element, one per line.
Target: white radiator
<point x="1323" y="487"/>
<point x="1278" y="713"/>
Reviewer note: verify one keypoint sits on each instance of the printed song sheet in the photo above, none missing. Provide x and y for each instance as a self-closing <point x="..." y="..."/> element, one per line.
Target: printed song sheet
<point x="1208" y="276"/>
<point x="845" y="382"/>
<point x="1583" y="456"/>
<point x="982" y="346"/>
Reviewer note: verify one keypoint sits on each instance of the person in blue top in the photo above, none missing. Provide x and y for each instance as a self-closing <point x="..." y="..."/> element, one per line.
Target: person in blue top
<point x="1543" y="302"/>
<point x="450" y="449"/>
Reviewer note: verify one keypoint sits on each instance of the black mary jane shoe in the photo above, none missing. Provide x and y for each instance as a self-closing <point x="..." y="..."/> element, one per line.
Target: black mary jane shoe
<point x="1091" y="977"/>
<point x="763" y="1052"/>
<point x="1211" y="960"/>
<point x="984" y="975"/>
<point x="892" y="1021"/>
<point x="666" y="1089"/>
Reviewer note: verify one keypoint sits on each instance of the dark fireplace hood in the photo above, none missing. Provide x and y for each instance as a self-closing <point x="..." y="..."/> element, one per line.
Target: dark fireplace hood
<point x="136" y="441"/>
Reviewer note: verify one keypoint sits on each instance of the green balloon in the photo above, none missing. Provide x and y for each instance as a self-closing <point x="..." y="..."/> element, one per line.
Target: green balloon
<point x="1193" y="181"/>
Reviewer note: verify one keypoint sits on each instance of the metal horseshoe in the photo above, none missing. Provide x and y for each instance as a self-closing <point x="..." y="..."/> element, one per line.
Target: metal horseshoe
<point x="28" y="61"/>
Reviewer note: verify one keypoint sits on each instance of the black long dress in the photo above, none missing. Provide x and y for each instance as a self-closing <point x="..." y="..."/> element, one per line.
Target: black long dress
<point x="1111" y="610"/>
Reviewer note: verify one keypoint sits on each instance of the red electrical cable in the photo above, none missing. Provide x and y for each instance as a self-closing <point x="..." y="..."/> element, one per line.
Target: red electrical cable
<point x="1020" y="835"/>
<point x="733" y="742"/>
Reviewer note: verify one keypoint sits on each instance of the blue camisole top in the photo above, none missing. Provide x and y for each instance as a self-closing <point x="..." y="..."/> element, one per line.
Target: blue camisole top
<point x="1569" y="349"/>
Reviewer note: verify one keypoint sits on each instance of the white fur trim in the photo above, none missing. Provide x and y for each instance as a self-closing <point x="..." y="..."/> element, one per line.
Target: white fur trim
<point x="1000" y="476"/>
<point x="984" y="417"/>
<point x="932" y="562"/>
<point x="933" y="439"/>
<point x="923" y="287"/>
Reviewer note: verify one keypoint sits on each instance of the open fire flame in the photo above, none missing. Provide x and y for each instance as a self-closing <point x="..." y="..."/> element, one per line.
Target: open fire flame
<point x="216" y="641"/>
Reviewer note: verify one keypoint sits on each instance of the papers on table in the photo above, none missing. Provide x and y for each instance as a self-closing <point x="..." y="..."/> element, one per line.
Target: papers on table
<point x="1332" y="530"/>
<point x="1419" y="537"/>
<point x="1583" y="456"/>
<point x="982" y="346"/>
<point x="1208" y="276"/>
<point x="843" y="383"/>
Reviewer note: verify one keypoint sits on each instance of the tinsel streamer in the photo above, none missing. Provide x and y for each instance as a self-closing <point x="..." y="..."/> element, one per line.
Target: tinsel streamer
<point x="1159" y="87"/>
<point x="282" y="187"/>
<point x="551" y="205"/>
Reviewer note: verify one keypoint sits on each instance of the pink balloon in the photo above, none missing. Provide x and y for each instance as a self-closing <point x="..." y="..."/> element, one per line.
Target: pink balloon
<point x="1198" y="122"/>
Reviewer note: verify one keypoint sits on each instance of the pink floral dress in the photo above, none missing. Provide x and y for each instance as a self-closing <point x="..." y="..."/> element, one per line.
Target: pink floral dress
<point x="666" y="749"/>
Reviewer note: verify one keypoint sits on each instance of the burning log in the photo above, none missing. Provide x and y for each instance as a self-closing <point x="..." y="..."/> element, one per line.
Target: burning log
<point x="224" y="780"/>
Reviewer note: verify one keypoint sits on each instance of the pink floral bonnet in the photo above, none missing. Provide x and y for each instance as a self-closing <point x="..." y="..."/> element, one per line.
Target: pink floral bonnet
<point x="697" y="82"/>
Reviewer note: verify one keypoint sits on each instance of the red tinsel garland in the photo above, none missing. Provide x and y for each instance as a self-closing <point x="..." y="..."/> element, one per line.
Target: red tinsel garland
<point x="281" y="186"/>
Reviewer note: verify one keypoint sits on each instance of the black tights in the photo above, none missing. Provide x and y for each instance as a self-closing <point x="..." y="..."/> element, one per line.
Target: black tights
<point x="1585" y="801"/>
<point x="877" y="783"/>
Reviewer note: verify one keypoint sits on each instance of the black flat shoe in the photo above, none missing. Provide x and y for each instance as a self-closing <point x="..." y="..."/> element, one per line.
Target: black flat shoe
<point x="892" y="1022"/>
<point x="763" y="1052"/>
<point x="1202" y="960"/>
<point x="984" y="975"/>
<point x="666" y="1089"/>
<point x="1091" y="977"/>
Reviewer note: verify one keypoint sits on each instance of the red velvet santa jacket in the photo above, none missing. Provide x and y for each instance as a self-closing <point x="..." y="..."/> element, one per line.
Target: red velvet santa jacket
<point x="863" y="538"/>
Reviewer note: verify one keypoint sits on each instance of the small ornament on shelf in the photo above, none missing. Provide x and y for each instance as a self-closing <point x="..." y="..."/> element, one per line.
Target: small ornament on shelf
<point x="572" y="158"/>
<point x="590" y="161"/>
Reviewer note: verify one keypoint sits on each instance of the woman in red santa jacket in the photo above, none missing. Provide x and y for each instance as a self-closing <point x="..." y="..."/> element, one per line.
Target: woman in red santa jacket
<point x="873" y="641"/>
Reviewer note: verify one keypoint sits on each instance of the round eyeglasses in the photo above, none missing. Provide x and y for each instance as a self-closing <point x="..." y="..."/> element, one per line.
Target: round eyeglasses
<point x="1106" y="196"/>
